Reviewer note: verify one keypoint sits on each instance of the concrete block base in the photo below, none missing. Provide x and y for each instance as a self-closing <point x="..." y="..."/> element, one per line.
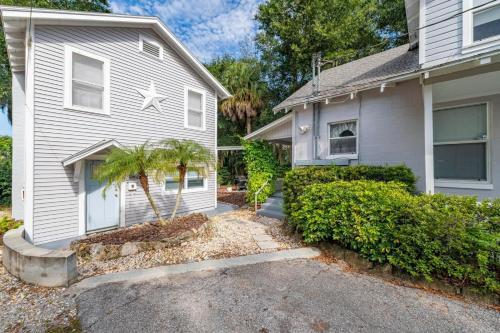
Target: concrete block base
<point x="35" y="265"/>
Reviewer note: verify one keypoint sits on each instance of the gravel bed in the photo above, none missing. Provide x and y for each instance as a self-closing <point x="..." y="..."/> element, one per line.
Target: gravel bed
<point x="26" y="308"/>
<point x="226" y="237"/>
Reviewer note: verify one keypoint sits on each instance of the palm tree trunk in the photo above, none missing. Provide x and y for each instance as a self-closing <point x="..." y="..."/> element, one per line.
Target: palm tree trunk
<point x="249" y="125"/>
<point x="182" y="176"/>
<point x="143" y="179"/>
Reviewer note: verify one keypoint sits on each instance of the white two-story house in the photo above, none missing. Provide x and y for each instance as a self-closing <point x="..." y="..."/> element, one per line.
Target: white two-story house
<point x="433" y="104"/>
<point x="83" y="83"/>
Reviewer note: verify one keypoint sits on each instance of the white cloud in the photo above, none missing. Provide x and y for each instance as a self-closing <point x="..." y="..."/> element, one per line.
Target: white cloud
<point x="209" y="28"/>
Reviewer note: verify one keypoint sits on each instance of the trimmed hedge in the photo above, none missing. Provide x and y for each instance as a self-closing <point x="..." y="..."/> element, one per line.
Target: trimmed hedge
<point x="298" y="178"/>
<point x="453" y="238"/>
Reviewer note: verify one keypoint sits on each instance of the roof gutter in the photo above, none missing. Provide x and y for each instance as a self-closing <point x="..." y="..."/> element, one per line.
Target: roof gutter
<point x="355" y="89"/>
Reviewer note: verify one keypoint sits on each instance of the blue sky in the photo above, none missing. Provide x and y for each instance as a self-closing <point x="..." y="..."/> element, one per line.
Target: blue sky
<point x="209" y="28"/>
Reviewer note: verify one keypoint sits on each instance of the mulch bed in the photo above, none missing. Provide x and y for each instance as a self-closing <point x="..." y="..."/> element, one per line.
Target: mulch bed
<point x="233" y="198"/>
<point x="148" y="232"/>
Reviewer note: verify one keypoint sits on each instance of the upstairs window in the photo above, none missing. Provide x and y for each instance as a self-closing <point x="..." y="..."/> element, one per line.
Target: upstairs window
<point x="481" y="24"/>
<point x="343" y="138"/>
<point x="194" y="109"/>
<point x="150" y="47"/>
<point x="486" y="22"/>
<point x="461" y="143"/>
<point x="87" y="81"/>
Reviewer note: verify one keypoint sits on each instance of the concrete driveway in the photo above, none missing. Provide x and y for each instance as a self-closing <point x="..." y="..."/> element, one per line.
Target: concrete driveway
<point x="287" y="296"/>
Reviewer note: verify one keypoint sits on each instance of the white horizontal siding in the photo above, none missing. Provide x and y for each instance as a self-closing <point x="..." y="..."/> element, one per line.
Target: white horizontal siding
<point x="60" y="132"/>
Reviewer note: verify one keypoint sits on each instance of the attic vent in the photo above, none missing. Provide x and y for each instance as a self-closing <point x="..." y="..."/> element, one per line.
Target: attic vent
<point x="151" y="47"/>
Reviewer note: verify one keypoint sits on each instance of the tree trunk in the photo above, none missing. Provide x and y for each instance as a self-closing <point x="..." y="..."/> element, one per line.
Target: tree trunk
<point x="143" y="179"/>
<point x="182" y="176"/>
<point x="249" y="125"/>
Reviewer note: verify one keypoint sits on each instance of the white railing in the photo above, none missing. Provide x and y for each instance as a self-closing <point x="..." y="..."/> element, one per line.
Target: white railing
<point x="258" y="192"/>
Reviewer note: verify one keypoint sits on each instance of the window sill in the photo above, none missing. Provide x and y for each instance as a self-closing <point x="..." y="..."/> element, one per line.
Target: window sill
<point x="345" y="156"/>
<point x="464" y="184"/>
<point x="481" y="45"/>
<point x="86" y="110"/>
<point x="194" y="190"/>
<point x="201" y="129"/>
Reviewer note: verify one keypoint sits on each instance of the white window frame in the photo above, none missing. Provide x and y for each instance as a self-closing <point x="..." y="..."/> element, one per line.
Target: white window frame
<point x="68" y="77"/>
<point x="187" y="89"/>
<point x="349" y="156"/>
<point x="143" y="38"/>
<point x="468" y="44"/>
<point x="186" y="189"/>
<point x="463" y="183"/>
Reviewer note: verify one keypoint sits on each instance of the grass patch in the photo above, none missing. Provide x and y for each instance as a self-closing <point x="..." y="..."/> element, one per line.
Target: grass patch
<point x="73" y="327"/>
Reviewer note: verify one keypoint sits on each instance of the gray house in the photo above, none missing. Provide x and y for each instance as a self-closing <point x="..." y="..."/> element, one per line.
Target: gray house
<point x="83" y="83"/>
<point x="433" y="104"/>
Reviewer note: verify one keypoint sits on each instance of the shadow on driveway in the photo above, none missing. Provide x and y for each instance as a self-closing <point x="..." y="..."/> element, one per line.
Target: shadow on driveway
<point x="288" y="296"/>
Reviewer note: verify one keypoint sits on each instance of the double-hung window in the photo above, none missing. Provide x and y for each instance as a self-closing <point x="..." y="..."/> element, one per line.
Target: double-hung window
<point x="194" y="108"/>
<point x="194" y="181"/>
<point x="86" y="81"/>
<point x="343" y="138"/>
<point x="461" y="144"/>
<point x="481" y="22"/>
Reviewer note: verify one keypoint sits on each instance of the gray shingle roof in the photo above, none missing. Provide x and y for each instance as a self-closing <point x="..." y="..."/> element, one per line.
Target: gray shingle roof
<point x="359" y="74"/>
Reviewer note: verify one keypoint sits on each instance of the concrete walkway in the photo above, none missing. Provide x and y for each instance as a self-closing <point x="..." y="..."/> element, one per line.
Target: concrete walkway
<point x="139" y="275"/>
<point x="300" y="295"/>
<point x="258" y="232"/>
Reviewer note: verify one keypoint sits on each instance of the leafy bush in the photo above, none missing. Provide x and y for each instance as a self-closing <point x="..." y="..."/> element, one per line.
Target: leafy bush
<point x="6" y="224"/>
<point x="261" y="166"/>
<point x="5" y="170"/>
<point x="297" y="179"/>
<point x="454" y="238"/>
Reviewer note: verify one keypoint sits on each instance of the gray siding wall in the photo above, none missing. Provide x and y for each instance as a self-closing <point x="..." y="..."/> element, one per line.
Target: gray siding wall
<point x="18" y="175"/>
<point x="280" y="132"/>
<point x="60" y="133"/>
<point x="494" y="147"/>
<point x="443" y="41"/>
<point x="391" y="127"/>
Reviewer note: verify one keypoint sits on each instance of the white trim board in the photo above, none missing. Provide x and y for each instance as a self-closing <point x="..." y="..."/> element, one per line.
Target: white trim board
<point x="90" y="151"/>
<point x="202" y="92"/>
<point x="68" y="80"/>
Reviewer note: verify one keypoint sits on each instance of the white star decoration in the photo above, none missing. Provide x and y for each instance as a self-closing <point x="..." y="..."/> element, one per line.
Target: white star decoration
<point x="151" y="98"/>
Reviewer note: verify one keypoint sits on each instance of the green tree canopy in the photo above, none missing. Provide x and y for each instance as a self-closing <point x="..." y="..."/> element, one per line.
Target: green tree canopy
<point x="5" y="74"/>
<point x="290" y="31"/>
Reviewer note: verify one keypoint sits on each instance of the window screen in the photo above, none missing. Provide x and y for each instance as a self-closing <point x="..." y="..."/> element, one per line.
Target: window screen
<point x="195" y="109"/>
<point x="486" y="23"/>
<point x="87" y="82"/>
<point x="460" y="143"/>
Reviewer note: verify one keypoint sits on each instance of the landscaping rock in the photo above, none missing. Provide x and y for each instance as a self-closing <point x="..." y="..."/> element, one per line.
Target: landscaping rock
<point x="95" y="250"/>
<point x="129" y="249"/>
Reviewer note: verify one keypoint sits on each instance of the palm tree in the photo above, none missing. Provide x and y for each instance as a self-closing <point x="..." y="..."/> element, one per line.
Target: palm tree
<point x="122" y="163"/>
<point x="242" y="79"/>
<point x="181" y="156"/>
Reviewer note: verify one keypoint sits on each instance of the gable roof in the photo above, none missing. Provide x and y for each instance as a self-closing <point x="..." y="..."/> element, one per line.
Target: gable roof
<point x="91" y="150"/>
<point x="15" y="21"/>
<point x="357" y="75"/>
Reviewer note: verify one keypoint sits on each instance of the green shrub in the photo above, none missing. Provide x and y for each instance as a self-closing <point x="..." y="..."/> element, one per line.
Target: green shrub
<point x="7" y="223"/>
<point x="453" y="238"/>
<point x="298" y="178"/>
<point x="5" y="170"/>
<point x="261" y="166"/>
